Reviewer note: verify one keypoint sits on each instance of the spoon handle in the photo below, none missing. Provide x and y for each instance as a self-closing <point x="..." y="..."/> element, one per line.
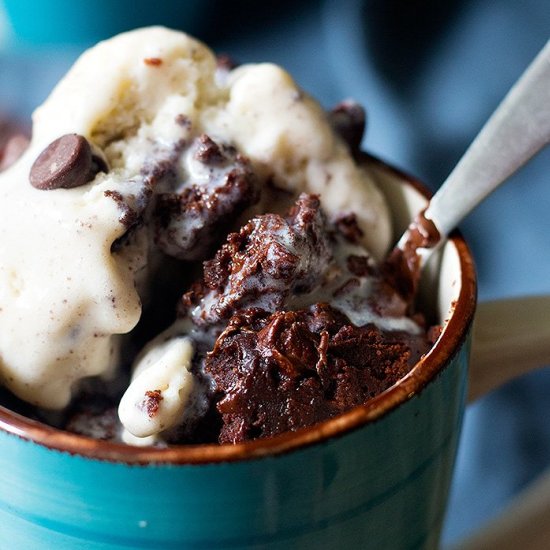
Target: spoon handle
<point x="518" y="129"/>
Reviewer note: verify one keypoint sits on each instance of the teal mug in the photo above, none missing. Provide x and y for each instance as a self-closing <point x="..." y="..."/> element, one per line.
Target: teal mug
<point x="375" y="477"/>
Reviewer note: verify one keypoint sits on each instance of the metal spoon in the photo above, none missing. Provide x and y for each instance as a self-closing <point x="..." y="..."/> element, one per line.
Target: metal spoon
<point x="518" y="129"/>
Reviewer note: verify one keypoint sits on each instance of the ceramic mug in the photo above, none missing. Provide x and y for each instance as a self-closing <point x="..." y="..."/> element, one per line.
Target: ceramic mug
<point x="375" y="477"/>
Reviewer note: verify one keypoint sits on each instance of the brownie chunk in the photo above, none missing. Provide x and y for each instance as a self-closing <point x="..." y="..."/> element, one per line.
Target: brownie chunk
<point x="191" y="220"/>
<point x="290" y="369"/>
<point x="93" y="413"/>
<point x="267" y="262"/>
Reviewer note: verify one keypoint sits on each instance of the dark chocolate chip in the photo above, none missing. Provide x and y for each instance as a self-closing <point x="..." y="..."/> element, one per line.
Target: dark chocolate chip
<point x="99" y="164"/>
<point x="348" y="118"/>
<point x="65" y="163"/>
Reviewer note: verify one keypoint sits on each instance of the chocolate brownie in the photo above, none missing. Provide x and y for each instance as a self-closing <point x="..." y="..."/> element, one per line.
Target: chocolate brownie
<point x="282" y="371"/>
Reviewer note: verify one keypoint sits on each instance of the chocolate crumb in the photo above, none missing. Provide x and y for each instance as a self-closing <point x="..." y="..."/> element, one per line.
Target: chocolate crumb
<point x="359" y="265"/>
<point x="208" y="151"/>
<point x="151" y="402"/>
<point x="183" y="121"/>
<point x="349" y="228"/>
<point x="403" y="265"/>
<point x="153" y="61"/>
<point x="128" y="216"/>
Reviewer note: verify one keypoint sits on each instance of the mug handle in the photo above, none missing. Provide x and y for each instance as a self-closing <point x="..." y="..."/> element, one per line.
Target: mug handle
<point x="510" y="338"/>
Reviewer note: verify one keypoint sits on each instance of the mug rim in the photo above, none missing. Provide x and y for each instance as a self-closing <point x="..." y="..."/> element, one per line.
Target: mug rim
<point x="427" y="368"/>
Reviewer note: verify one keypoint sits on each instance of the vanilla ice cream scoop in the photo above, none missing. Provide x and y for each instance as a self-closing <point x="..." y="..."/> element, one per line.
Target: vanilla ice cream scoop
<point x="80" y="218"/>
<point x="162" y="383"/>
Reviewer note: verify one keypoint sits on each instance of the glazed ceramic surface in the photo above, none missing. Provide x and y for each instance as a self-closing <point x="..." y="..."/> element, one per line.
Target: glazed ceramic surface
<point x="376" y="477"/>
<point x="384" y="486"/>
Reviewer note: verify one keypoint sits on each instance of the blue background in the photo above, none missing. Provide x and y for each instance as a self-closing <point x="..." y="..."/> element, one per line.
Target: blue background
<point x="429" y="78"/>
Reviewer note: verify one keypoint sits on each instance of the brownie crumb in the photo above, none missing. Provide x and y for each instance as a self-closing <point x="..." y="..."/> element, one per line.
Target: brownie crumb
<point x="151" y="402"/>
<point x="153" y="61"/>
<point x="192" y="219"/>
<point x="347" y="225"/>
<point x="208" y="151"/>
<point x="183" y="121"/>
<point x="128" y="216"/>
<point x="103" y="425"/>
<point x="360" y="265"/>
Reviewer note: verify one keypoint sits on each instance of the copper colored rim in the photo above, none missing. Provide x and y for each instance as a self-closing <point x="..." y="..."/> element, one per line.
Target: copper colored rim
<point x="427" y="368"/>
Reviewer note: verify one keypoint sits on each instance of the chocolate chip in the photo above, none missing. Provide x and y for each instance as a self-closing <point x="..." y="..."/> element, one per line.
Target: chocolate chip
<point x="348" y="118"/>
<point x="99" y="164"/>
<point x="65" y="163"/>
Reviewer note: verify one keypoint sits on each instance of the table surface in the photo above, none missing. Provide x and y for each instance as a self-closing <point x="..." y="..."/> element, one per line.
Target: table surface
<point x="425" y="101"/>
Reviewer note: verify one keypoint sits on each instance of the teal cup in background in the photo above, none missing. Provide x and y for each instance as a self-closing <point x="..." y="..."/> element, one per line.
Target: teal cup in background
<point x="55" y="22"/>
<point x="376" y="477"/>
